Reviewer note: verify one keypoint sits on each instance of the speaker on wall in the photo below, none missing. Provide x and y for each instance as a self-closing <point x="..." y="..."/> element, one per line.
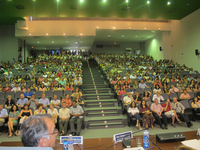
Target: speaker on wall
<point x="196" y="52"/>
<point x="160" y="48"/>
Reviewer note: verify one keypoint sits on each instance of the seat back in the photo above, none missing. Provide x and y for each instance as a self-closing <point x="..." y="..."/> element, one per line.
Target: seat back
<point x="140" y="90"/>
<point x="10" y="93"/>
<point x="172" y="95"/>
<point x="185" y="103"/>
<point x="165" y="96"/>
<point x="18" y="93"/>
<point x="2" y="94"/>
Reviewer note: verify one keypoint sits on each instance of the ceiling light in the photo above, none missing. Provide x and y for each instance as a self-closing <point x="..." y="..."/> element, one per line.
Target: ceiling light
<point x="52" y="41"/>
<point x="76" y="47"/>
<point x="113" y="27"/>
<point x="108" y="35"/>
<point x="122" y="35"/>
<point x="29" y="33"/>
<point x="168" y="3"/>
<point x="38" y="42"/>
<point x="136" y="36"/>
<point x="66" y="41"/>
<point x="81" y="34"/>
<point x="97" y="27"/>
<point x="148" y="2"/>
<point x="81" y="0"/>
<point x="47" y="34"/>
<point x="33" y="0"/>
<point x="104" y="0"/>
<point x="76" y="42"/>
<point x="129" y="27"/>
<point x="145" y="28"/>
<point x="127" y="1"/>
<point x="159" y="28"/>
<point x="149" y="36"/>
<point x="63" y="33"/>
<point x="45" y="48"/>
<point x="57" y="0"/>
<point x="32" y="47"/>
<point x="115" y="43"/>
<point x="81" y="41"/>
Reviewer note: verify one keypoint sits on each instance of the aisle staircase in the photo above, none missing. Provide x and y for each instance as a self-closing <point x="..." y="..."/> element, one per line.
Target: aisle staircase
<point x="101" y="109"/>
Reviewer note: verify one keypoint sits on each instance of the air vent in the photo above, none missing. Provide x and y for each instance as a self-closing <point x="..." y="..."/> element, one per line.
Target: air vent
<point x="20" y="7"/>
<point x="108" y="46"/>
<point x="126" y="8"/>
<point x="74" y="7"/>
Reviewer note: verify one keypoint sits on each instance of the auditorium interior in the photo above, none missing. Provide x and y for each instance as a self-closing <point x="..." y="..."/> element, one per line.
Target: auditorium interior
<point x="111" y="45"/>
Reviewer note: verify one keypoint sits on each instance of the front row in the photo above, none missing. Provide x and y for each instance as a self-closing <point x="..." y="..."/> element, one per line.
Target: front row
<point x="158" y="111"/>
<point x="71" y="115"/>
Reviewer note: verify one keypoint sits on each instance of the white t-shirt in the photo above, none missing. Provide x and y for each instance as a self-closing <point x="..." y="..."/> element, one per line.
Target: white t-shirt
<point x="133" y="110"/>
<point x="158" y="97"/>
<point x="55" y="102"/>
<point x="127" y="99"/>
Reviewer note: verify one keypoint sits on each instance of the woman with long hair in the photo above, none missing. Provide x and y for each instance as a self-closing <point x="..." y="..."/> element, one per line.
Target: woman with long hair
<point x="13" y="118"/>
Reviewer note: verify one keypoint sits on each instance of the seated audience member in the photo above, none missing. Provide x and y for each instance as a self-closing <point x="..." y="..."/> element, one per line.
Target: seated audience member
<point x="128" y="99"/>
<point x="147" y="97"/>
<point x="54" y="82"/>
<point x="45" y="137"/>
<point x="133" y="76"/>
<point x="69" y="87"/>
<point x="173" y="89"/>
<point x="44" y="100"/>
<point x="77" y="92"/>
<point x="196" y="105"/>
<point x="181" y="87"/>
<point x="188" y="88"/>
<point x="6" y="89"/>
<point x="157" y="83"/>
<point x="62" y="81"/>
<point x="9" y="102"/>
<point x="169" y="112"/>
<point x="166" y="78"/>
<point x="76" y="112"/>
<point x="13" y="118"/>
<point x="28" y="93"/>
<point x="56" y="101"/>
<point x="16" y="88"/>
<point x="33" y="88"/>
<point x="42" y="88"/>
<point x="185" y="95"/>
<point x="137" y="97"/>
<point x="78" y="83"/>
<point x="142" y="84"/>
<point x="39" y="110"/>
<point x="166" y="90"/>
<point x="126" y="85"/>
<point x="130" y="90"/>
<point x="46" y="82"/>
<point x="41" y="78"/>
<point x="25" y="113"/>
<point x="157" y="88"/>
<point x="135" y="84"/>
<point x="3" y="114"/>
<point x="179" y="108"/>
<point x="195" y="88"/>
<point x="165" y="83"/>
<point x="78" y="100"/>
<point x="134" y="113"/>
<point x="59" y="88"/>
<point x="120" y="92"/>
<point x="113" y="82"/>
<point x="64" y="116"/>
<point x="23" y="89"/>
<point x="147" y="116"/>
<point x="158" y="97"/>
<point x="33" y="102"/>
<point x="157" y="110"/>
<point x="198" y="93"/>
<point x="67" y="100"/>
<point x="22" y="83"/>
<point x="22" y="101"/>
<point x="53" y="112"/>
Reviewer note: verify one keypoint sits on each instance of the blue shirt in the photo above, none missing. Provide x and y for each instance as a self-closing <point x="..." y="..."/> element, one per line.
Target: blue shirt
<point x="3" y="112"/>
<point x="22" y="102"/>
<point x="129" y="90"/>
<point x="28" y="94"/>
<point x="44" y="101"/>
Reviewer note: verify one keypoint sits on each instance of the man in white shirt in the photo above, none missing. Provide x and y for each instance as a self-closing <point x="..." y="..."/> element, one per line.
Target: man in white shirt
<point x="16" y="88"/>
<point x="55" y="101"/>
<point x="142" y="84"/>
<point x="133" y="76"/>
<point x="64" y="119"/>
<point x="158" y="96"/>
<point x="128" y="99"/>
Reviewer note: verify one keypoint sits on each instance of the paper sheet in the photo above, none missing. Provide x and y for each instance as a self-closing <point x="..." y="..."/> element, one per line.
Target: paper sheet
<point x="195" y="144"/>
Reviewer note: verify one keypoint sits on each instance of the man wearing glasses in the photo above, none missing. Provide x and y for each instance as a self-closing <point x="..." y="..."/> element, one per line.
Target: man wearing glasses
<point x="39" y="131"/>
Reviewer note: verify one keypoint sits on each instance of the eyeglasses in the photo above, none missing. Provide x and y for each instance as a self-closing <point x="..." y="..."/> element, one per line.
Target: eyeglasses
<point x="55" y="131"/>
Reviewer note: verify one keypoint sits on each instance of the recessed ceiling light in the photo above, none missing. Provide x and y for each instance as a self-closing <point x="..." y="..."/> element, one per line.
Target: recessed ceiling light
<point x="115" y="43"/>
<point x="76" y="47"/>
<point x="66" y="41"/>
<point x="108" y="35"/>
<point x="81" y="0"/>
<point x="32" y="47"/>
<point x="29" y="33"/>
<point x="38" y="42"/>
<point x="148" y="2"/>
<point x="76" y="42"/>
<point x="63" y="33"/>
<point x="122" y="35"/>
<point x="113" y="27"/>
<point x="57" y="0"/>
<point x="45" y="48"/>
<point x="97" y="26"/>
<point x="145" y="28"/>
<point x="149" y="36"/>
<point x="168" y="3"/>
<point x="159" y="28"/>
<point x="81" y="34"/>
<point x="81" y="41"/>
<point x="136" y="36"/>
<point x="129" y="27"/>
<point x="47" y="34"/>
<point x="52" y="41"/>
<point x="188" y="4"/>
<point x="127" y="1"/>
<point x="33" y="0"/>
<point x="104" y="0"/>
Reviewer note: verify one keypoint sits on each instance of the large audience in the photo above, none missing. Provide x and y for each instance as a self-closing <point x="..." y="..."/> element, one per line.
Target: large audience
<point x="47" y="84"/>
<point x="149" y="89"/>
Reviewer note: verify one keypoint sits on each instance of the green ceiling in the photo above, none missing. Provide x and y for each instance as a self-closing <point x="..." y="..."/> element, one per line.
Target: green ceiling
<point x="156" y="9"/>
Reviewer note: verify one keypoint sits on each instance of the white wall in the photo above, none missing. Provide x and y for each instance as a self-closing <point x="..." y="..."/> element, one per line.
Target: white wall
<point x="123" y="46"/>
<point x="185" y="38"/>
<point x="8" y="43"/>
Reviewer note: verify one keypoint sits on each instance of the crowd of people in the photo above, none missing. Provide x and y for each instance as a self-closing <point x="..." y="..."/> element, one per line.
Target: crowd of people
<point x="45" y="73"/>
<point x="140" y="83"/>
